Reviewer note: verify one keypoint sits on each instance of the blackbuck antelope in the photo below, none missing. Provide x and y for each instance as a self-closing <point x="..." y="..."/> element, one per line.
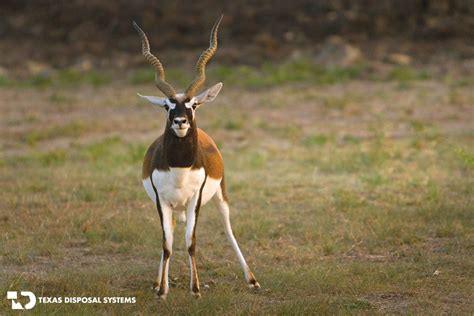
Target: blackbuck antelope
<point x="183" y="169"/>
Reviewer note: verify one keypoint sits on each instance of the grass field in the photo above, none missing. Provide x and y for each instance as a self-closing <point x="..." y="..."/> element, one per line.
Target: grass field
<point x="348" y="195"/>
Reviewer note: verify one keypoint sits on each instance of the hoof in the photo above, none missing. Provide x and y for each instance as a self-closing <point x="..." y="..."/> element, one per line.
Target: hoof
<point x="254" y="285"/>
<point x="158" y="292"/>
<point x="196" y="295"/>
<point x="161" y="296"/>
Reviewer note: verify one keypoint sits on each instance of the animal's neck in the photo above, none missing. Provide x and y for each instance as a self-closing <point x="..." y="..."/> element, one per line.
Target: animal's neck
<point x="180" y="151"/>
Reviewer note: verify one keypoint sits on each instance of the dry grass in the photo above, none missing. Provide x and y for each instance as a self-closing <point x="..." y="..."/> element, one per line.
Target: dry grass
<point x="345" y="198"/>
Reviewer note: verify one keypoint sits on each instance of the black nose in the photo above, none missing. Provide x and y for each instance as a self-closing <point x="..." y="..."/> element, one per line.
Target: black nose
<point x="179" y="121"/>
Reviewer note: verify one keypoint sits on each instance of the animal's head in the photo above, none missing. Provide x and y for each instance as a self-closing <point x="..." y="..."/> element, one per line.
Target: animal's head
<point x="181" y="107"/>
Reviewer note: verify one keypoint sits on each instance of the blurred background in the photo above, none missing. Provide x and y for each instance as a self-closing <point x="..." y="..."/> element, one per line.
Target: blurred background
<point x="57" y="34"/>
<point x="346" y="128"/>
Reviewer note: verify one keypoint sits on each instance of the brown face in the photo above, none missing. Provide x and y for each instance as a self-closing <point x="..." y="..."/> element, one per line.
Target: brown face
<point x="180" y="114"/>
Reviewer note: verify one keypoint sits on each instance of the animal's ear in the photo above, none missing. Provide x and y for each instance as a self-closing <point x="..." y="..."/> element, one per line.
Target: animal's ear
<point x="208" y="95"/>
<point x="154" y="100"/>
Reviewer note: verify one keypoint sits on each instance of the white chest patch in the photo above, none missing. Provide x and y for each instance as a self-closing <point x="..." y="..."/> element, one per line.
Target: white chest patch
<point x="177" y="186"/>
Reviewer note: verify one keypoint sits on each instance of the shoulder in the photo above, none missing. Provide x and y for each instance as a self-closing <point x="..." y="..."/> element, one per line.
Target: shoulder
<point x="151" y="152"/>
<point x="206" y="142"/>
<point x="212" y="158"/>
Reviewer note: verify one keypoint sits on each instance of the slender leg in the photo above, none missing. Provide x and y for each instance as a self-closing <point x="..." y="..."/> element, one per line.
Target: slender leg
<point x="162" y="281"/>
<point x="167" y="226"/>
<point x="192" y="217"/>
<point x="223" y="207"/>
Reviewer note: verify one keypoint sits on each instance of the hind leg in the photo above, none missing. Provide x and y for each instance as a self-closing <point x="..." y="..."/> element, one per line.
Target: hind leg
<point x="223" y="207"/>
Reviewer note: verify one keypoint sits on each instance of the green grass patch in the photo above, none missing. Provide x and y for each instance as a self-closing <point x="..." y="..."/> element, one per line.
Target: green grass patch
<point x="271" y="74"/>
<point x="61" y="78"/>
<point x="405" y="74"/>
<point x="336" y="103"/>
<point x="147" y="75"/>
<point x="465" y="156"/>
<point x="233" y="124"/>
<point x="38" y="81"/>
<point x="71" y="129"/>
<point x="71" y="77"/>
<point x="103" y="148"/>
<point x="59" y="98"/>
<point x="52" y="158"/>
<point x="5" y="82"/>
<point x="318" y="140"/>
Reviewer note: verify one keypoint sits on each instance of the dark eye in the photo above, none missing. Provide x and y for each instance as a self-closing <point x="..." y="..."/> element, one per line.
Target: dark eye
<point x="166" y="107"/>
<point x="194" y="106"/>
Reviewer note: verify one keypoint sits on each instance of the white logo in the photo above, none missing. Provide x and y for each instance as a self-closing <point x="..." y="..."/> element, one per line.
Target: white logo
<point x="13" y="295"/>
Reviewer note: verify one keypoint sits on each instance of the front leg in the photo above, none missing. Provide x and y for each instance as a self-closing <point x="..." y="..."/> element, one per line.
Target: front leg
<point x="162" y="284"/>
<point x="166" y="218"/>
<point x="192" y="217"/>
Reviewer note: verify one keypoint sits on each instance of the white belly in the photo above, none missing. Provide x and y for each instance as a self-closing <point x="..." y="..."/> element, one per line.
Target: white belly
<point x="177" y="186"/>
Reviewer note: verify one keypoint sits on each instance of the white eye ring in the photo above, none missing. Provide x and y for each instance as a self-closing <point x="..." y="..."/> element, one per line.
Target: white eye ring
<point x="190" y="103"/>
<point x="170" y="104"/>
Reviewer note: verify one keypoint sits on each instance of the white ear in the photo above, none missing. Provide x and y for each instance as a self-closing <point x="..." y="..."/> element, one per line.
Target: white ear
<point x="153" y="100"/>
<point x="208" y="95"/>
